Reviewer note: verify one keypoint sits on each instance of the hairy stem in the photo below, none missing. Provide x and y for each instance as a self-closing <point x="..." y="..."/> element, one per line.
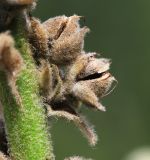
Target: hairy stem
<point x="26" y="126"/>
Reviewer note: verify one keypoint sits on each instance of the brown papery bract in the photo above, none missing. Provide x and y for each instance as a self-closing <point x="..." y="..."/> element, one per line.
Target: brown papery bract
<point x="10" y="59"/>
<point x="11" y="62"/>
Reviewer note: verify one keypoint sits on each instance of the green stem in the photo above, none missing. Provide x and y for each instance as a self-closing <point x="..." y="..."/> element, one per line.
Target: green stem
<point x="27" y="130"/>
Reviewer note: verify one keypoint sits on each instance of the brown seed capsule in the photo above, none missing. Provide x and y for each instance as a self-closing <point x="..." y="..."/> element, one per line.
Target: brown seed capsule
<point x="66" y="39"/>
<point x="55" y="26"/>
<point x="93" y="82"/>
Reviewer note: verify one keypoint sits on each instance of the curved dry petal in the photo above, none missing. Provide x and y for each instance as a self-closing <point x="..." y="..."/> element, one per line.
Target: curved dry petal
<point x="54" y="26"/>
<point x="72" y="26"/>
<point x="83" y="92"/>
<point x="39" y="39"/>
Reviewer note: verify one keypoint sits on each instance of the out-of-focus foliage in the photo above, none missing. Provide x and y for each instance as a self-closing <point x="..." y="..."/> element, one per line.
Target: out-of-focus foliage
<point x="139" y="154"/>
<point x="120" y="30"/>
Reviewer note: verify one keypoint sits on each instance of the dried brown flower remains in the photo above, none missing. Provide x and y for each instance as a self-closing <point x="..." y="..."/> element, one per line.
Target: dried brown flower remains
<point x="68" y="74"/>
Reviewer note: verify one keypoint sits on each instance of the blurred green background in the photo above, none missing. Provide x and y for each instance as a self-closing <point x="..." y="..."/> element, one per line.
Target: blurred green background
<point x="120" y="30"/>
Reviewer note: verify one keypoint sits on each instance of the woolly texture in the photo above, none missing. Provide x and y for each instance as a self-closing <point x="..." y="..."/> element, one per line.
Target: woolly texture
<point x="27" y="124"/>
